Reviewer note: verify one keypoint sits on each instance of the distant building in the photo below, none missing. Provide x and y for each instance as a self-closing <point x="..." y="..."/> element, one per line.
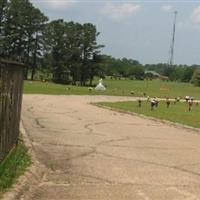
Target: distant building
<point x="151" y="74"/>
<point x="155" y="75"/>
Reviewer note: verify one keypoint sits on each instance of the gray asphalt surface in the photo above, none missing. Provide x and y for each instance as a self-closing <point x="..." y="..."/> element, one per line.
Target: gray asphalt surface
<point x="92" y="153"/>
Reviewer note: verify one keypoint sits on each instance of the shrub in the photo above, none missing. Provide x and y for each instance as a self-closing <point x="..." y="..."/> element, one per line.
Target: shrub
<point x="196" y="77"/>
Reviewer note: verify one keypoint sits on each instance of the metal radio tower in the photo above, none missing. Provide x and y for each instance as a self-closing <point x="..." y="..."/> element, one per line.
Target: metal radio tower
<point x="171" y="58"/>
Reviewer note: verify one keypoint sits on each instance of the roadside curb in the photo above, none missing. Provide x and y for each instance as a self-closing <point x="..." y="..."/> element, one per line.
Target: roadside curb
<point x="172" y="124"/>
<point x="31" y="178"/>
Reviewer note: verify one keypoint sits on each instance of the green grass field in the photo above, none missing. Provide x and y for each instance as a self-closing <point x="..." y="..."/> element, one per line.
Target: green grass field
<point x="13" y="166"/>
<point x="176" y="113"/>
<point x="118" y="88"/>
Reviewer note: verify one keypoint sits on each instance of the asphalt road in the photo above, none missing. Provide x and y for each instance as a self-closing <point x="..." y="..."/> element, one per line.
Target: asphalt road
<point x="93" y="153"/>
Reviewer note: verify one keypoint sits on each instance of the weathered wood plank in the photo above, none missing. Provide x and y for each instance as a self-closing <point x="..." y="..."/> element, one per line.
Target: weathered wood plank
<point x="11" y="86"/>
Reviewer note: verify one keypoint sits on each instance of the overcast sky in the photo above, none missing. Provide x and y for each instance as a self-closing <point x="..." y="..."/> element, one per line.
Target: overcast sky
<point x="140" y="30"/>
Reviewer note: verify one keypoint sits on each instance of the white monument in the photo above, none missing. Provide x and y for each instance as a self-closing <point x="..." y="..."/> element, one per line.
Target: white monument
<point x="100" y="86"/>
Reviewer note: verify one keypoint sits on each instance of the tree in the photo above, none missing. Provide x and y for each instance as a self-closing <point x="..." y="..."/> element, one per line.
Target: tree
<point x="187" y="74"/>
<point x="56" y="39"/>
<point x="15" y="28"/>
<point x="74" y="51"/>
<point x="176" y="73"/>
<point x="89" y="48"/>
<point x="196" y="77"/>
<point x="118" y="67"/>
<point x="137" y="72"/>
<point x="94" y="68"/>
<point x="35" y="22"/>
<point x="57" y="42"/>
<point x="21" y="23"/>
<point x="3" y="7"/>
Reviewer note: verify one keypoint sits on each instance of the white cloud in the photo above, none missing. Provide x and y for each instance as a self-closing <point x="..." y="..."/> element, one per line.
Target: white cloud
<point x="54" y="4"/>
<point x="60" y="3"/>
<point x="120" y="12"/>
<point x="186" y="24"/>
<point x="167" y="8"/>
<point x="196" y="15"/>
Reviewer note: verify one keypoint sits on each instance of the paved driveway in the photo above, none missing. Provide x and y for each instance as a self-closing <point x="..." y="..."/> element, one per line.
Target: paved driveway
<point x="92" y="153"/>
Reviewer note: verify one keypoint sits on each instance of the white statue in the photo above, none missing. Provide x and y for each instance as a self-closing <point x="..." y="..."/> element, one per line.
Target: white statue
<point x="100" y="85"/>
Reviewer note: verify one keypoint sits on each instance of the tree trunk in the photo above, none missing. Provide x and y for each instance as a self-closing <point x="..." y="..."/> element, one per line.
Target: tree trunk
<point x="33" y="73"/>
<point x="26" y="73"/>
<point x="34" y="61"/>
<point x="91" y="80"/>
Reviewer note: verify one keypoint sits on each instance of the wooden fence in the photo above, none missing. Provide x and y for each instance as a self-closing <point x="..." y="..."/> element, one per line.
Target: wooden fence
<point x="11" y="86"/>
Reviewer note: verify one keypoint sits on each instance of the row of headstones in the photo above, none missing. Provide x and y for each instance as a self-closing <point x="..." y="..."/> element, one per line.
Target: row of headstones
<point x="154" y="102"/>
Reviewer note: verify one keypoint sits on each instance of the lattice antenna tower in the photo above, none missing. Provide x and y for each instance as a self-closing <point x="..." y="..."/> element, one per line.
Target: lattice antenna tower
<point x="171" y="57"/>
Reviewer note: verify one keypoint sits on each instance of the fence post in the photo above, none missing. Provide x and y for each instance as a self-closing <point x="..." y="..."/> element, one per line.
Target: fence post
<point x="11" y="89"/>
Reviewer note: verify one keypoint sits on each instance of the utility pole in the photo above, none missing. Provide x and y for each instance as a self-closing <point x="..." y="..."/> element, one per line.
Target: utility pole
<point x="171" y="58"/>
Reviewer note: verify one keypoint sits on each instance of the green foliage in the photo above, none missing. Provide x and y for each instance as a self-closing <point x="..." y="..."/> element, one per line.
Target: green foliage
<point x="73" y="50"/>
<point x="13" y="166"/>
<point x="176" y="112"/>
<point x="187" y="74"/>
<point x="21" y="28"/>
<point x="122" y="67"/>
<point x="196" y="77"/>
<point x="137" y="72"/>
<point x="181" y="73"/>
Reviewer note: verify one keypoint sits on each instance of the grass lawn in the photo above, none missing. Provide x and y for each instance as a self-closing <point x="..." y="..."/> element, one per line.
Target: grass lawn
<point x="175" y="113"/>
<point x="118" y="88"/>
<point x="13" y="166"/>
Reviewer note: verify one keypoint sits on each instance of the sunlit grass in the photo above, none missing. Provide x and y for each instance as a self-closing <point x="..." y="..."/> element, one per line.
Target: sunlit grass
<point x="117" y="88"/>
<point x="176" y="112"/>
<point x="13" y="166"/>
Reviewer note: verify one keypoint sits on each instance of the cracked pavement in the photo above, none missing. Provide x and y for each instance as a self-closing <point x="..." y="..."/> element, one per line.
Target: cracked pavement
<point x="93" y="153"/>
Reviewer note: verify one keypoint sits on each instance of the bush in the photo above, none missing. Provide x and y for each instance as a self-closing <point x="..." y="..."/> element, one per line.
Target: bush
<point x="196" y="77"/>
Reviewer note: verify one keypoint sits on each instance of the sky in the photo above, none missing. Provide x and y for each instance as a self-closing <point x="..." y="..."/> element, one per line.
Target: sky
<point x="140" y="30"/>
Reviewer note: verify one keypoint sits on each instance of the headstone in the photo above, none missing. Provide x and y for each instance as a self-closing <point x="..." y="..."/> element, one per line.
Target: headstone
<point x="100" y="86"/>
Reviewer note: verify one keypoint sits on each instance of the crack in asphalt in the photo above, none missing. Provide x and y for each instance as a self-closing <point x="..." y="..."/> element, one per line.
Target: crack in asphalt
<point x="149" y="147"/>
<point x="38" y="123"/>
<point x="96" y="178"/>
<point x="113" y="140"/>
<point x="91" y="130"/>
<point x="87" y="126"/>
<point x="100" y="123"/>
<point x="192" y="164"/>
<point x="140" y="124"/>
<point x="65" y="145"/>
<point x="87" y="153"/>
<point x="151" y="163"/>
<point x="110" y="183"/>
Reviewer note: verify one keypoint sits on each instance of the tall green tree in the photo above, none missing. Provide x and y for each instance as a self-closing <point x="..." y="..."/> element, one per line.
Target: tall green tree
<point x="94" y="68"/>
<point x="89" y="48"/>
<point x="57" y="42"/>
<point x="21" y="24"/>
<point x="72" y="47"/>
<point x="36" y="23"/>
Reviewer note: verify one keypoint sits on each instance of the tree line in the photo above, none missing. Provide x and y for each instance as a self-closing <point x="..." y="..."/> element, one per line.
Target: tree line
<point x="132" y="69"/>
<point x="66" y="49"/>
<point x="68" y="52"/>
